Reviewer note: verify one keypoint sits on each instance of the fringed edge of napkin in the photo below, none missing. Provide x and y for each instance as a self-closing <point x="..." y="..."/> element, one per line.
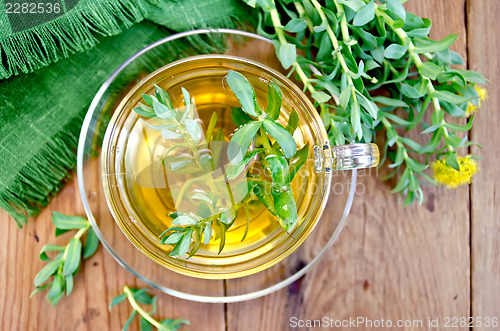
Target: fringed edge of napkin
<point x="32" y="188"/>
<point x="74" y="32"/>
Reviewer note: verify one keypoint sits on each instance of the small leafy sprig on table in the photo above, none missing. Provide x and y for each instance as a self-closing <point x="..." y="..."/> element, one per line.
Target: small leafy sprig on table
<point x="361" y="60"/>
<point x="65" y="264"/>
<point x="280" y="160"/>
<point x="140" y="296"/>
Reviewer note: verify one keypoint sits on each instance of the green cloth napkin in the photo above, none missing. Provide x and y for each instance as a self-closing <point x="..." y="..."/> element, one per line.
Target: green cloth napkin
<point x="53" y="65"/>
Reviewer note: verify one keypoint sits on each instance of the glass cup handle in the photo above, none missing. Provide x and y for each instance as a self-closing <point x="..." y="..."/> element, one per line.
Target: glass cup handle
<point x="345" y="157"/>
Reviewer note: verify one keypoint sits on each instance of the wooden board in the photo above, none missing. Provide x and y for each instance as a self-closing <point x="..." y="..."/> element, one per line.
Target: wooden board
<point x="390" y="262"/>
<point x="483" y="39"/>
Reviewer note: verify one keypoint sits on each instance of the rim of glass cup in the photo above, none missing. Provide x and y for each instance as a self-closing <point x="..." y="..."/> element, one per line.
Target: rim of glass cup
<point x="188" y="296"/>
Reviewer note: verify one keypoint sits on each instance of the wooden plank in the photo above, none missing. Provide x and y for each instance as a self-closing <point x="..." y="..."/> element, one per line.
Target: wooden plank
<point x="390" y="262"/>
<point x="483" y="40"/>
<point x="101" y="279"/>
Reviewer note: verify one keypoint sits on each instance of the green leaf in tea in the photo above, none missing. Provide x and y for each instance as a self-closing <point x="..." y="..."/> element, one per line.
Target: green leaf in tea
<point x="274" y="96"/>
<point x="239" y="117"/>
<point x="282" y="136"/>
<point x="193" y="129"/>
<point x="240" y="142"/>
<point x="243" y="91"/>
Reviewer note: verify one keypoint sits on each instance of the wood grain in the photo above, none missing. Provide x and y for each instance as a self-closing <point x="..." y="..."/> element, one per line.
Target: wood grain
<point x="483" y="40"/>
<point x="99" y="281"/>
<point x="390" y="262"/>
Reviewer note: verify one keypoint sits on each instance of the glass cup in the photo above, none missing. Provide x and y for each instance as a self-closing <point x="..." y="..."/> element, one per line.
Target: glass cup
<point x="124" y="164"/>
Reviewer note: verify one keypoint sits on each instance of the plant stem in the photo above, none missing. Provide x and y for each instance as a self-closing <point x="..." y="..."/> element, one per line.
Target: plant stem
<point x="141" y="311"/>
<point x="302" y="13"/>
<point x="334" y="40"/>
<point x="282" y="39"/>
<point x="418" y="63"/>
<point x="388" y="125"/>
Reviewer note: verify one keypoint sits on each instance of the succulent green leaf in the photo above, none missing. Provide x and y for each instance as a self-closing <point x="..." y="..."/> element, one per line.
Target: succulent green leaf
<point x="471" y="76"/>
<point x="193" y="129"/>
<point x="201" y="197"/>
<point x="287" y="55"/>
<point x="274" y="97"/>
<point x="172" y="239"/>
<point x="48" y="248"/>
<point x="73" y="257"/>
<point x="184" y="220"/>
<point x="148" y="99"/>
<point x="295" y="25"/>
<point x="263" y="192"/>
<point x="91" y="244"/>
<point x="211" y="127"/>
<point x="460" y="128"/>
<point x="169" y="134"/>
<point x="129" y="321"/>
<point x="232" y="171"/>
<point x="163" y="97"/>
<point x="286" y="209"/>
<point x="239" y="117"/>
<point x="452" y="97"/>
<point x="241" y="140"/>
<point x="298" y="160"/>
<point x="278" y="166"/>
<point x="293" y="122"/>
<point x="396" y="8"/>
<point x="243" y="91"/>
<point x="282" y="137"/>
<point x="182" y="246"/>
<point x="320" y="96"/>
<point x="172" y="324"/>
<point x="390" y="102"/>
<point x="187" y="99"/>
<point x="365" y="14"/>
<point x="228" y="216"/>
<point x="429" y="46"/>
<point x="395" y="51"/>
<point x="355" y="5"/>
<point x="345" y="96"/>
<point x="356" y="119"/>
<point x="145" y="325"/>
<point x="56" y="290"/>
<point x="66" y="222"/>
<point x="47" y="271"/>
<point x="69" y="284"/>
<point x="410" y="91"/>
<point x="144" y="110"/>
<point x="451" y="160"/>
<point x="163" y="111"/>
<point x="368" y="105"/>
<point x="207" y="233"/>
<point x="430" y="70"/>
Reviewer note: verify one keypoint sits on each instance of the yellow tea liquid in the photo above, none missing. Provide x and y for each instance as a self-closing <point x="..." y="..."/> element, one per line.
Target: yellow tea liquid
<point x="142" y="192"/>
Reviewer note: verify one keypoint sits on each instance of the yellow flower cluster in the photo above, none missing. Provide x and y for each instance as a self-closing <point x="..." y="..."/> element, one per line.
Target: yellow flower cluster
<point x="471" y="107"/>
<point x="446" y="175"/>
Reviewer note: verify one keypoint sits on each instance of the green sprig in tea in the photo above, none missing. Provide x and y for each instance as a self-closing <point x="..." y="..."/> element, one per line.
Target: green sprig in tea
<point x="273" y="145"/>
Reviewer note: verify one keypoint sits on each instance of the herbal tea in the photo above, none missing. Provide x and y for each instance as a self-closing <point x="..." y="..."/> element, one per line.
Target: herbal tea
<point x="206" y="167"/>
